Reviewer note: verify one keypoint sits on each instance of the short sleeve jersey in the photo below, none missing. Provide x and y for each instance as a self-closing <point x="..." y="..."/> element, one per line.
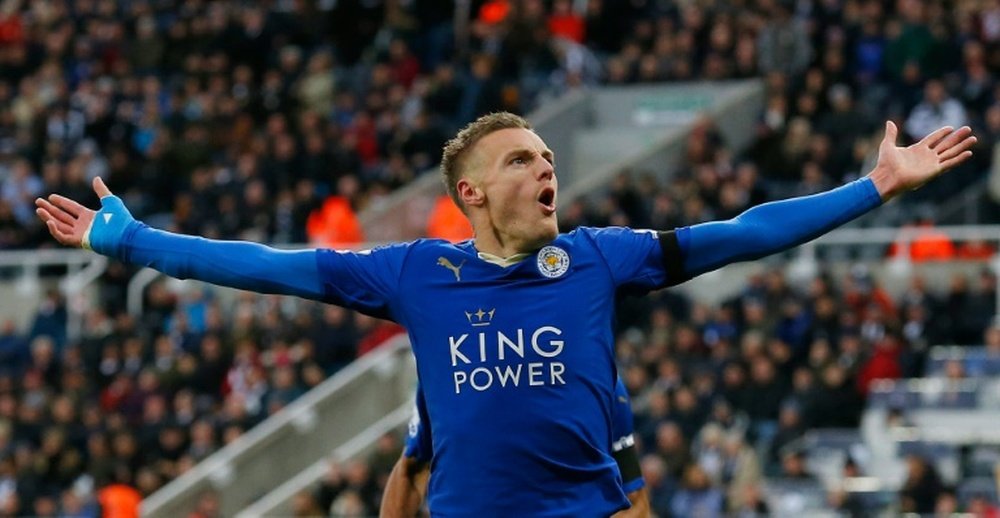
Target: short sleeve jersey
<point x="516" y="363"/>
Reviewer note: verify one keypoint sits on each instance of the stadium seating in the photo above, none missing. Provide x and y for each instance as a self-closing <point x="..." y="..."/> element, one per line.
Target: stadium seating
<point x="302" y="101"/>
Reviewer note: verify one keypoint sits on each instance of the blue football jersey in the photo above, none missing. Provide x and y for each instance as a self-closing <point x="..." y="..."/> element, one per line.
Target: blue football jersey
<point x="419" y="447"/>
<point x="622" y="429"/>
<point x="418" y="436"/>
<point x="516" y="364"/>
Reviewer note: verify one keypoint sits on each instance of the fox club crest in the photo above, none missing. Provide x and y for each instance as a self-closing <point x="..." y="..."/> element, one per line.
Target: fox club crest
<point x="552" y="261"/>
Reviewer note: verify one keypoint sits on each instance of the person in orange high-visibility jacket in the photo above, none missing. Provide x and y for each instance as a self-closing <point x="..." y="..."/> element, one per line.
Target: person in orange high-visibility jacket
<point x="928" y="244"/>
<point x="494" y="11"/>
<point x="447" y="221"/>
<point x="119" y="501"/>
<point x="334" y="224"/>
<point x="974" y="250"/>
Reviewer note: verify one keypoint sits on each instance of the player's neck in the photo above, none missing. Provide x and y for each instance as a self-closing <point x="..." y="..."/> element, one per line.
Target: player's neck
<point x="496" y="243"/>
<point x="496" y="249"/>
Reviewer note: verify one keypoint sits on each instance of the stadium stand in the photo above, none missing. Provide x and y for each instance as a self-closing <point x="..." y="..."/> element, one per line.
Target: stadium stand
<point x="845" y="67"/>
<point x="238" y="121"/>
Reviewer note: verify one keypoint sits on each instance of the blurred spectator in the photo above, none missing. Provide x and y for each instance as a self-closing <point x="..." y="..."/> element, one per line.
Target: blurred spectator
<point x="14" y="349"/>
<point x="50" y="319"/>
<point x="672" y="448"/>
<point x="751" y="504"/>
<point x="207" y="506"/>
<point x="696" y="496"/>
<point x="982" y="505"/>
<point x="304" y="505"/>
<point x="783" y="43"/>
<point x="742" y="474"/>
<point x="790" y="430"/>
<point x="921" y="488"/>
<point x="947" y="504"/>
<point x="119" y="500"/>
<point x="793" y="466"/>
<point x="662" y="487"/>
<point x="936" y="110"/>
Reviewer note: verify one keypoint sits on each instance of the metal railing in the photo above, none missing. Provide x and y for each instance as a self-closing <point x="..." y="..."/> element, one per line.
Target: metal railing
<point x="663" y="116"/>
<point x="903" y="238"/>
<point x="278" y="501"/>
<point x="842" y="248"/>
<point x="83" y="268"/>
<point x="290" y="441"/>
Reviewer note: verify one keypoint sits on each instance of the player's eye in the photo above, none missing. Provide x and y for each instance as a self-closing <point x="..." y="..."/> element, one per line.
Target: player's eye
<point x="518" y="161"/>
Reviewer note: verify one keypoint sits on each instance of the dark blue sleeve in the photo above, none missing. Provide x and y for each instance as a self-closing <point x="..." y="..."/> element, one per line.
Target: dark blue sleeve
<point x="366" y="281"/>
<point x="623" y="445"/>
<point x="418" y="437"/>
<point x="237" y="264"/>
<point x="634" y="257"/>
<point x="772" y="227"/>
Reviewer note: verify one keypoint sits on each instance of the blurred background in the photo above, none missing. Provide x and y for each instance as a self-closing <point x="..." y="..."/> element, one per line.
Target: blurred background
<point x="858" y="375"/>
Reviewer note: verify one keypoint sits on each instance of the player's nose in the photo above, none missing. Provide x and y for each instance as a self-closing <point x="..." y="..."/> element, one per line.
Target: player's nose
<point x="546" y="172"/>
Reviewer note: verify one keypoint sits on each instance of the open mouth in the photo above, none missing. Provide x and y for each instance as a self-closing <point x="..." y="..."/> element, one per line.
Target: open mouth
<point x="547" y="198"/>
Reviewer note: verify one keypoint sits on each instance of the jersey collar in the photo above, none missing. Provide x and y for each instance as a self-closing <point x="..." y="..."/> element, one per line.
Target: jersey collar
<point x="503" y="262"/>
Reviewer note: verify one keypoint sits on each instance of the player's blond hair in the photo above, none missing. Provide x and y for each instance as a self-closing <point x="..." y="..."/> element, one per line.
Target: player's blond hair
<point x="456" y="151"/>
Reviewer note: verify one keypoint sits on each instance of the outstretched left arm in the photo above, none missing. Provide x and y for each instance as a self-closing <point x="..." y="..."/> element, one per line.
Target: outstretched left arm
<point x="776" y="226"/>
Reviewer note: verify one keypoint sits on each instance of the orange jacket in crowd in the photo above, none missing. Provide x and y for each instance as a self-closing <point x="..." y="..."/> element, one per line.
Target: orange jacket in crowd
<point x="447" y="221"/>
<point x="334" y="224"/>
<point x="883" y="364"/>
<point x="570" y="26"/>
<point x="494" y="11"/>
<point x="974" y="251"/>
<point x="928" y="244"/>
<point x="119" y="501"/>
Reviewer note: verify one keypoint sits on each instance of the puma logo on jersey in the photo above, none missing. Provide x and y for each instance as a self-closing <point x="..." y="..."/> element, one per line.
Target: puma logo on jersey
<point x="457" y="270"/>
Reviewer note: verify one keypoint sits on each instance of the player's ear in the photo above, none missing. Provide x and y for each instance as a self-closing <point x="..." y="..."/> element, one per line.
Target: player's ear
<point x="470" y="193"/>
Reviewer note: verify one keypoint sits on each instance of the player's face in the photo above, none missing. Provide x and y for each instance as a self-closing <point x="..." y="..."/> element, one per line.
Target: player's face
<point x="517" y="175"/>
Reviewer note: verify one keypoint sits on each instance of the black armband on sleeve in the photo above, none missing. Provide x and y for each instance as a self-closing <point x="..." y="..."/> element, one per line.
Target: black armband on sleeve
<point x="673" y="258"/>
<point x="628" y="463"/>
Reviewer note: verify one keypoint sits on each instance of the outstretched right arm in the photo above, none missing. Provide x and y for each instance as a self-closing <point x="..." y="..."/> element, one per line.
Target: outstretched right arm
<point x="112" y="231"/>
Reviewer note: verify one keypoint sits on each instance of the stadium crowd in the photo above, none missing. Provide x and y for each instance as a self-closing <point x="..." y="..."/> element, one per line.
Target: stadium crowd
<point x="138" y="402"/>
<point x="721" y="393"/>
<point x="834" y="71"/>
<point x="237" y="122"/>
<point x="724" y="394"/>
<point x="255" y="115"/>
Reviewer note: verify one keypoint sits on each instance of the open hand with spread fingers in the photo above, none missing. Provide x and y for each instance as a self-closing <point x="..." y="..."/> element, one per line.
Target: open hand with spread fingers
<point x="901" y="169"/>
<point x="74" y="225"/>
